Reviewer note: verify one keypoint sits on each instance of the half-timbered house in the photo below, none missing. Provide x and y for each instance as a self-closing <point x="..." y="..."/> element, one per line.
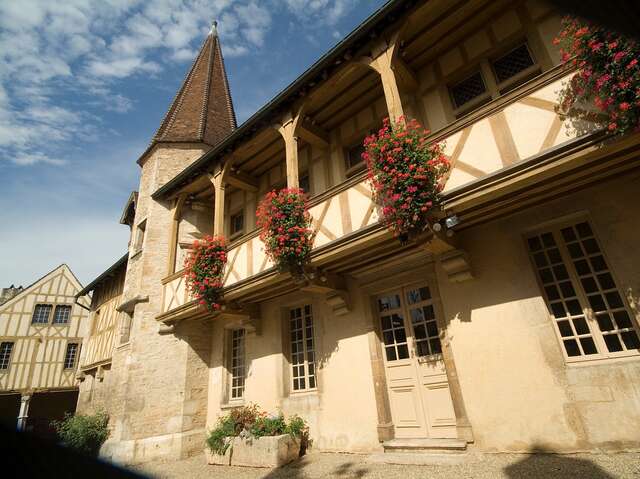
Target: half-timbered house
<point x="513" y="328"/>
<point x="41" y="333"/>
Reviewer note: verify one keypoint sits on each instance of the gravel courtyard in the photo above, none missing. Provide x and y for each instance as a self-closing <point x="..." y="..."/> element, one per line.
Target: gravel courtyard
<point x="411" y="466"/>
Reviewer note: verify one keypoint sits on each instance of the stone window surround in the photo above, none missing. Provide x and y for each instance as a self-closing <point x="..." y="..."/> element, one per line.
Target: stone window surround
<point x="556" y="225"/>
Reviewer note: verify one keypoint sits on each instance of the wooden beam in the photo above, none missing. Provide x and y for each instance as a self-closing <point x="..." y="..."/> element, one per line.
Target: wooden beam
<point x="405" y="74"/>
<point x="288" y="129"/>
<point x="243" y="181"/>
<point x="313" y="134"/>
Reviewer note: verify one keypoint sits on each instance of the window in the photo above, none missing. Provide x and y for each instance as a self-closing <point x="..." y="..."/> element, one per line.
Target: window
<point x="353" y="158"/>
<point x="142" y="226"/>
<point x="41" y="314"/>
<point x="5" y="355"/>
<point x="590" y="316"/>
<point x="302" y="348"/>
<point x="236" y="364"/>
<point x="70" y="356"/>
<point x="468" y="89"/>
<point x="62" y="314"/>
<point x="516" y="61"/>
<point x="237" y="224"/>
<point x="304" y="182"/>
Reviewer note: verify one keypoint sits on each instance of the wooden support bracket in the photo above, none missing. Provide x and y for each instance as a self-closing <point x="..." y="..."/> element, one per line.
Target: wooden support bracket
<point x="241" y="315"/>
<point x="331" y="285"/>
<point x="456" y="264"/>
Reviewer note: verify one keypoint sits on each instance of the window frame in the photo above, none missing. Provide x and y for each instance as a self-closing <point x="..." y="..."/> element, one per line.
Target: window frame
<point x="289" y="348"/>
<point x="68" y="317"/>
<point x="33" y="315"/>
<point x="484" y="65"/>
<point x="236" y="234"/>
<point x="596" y="334"/>
<point x="76" y="356"/>
<point x="230" y="368"/>
<point x="141" y="235"/>
<point x="349" y="169"/>
<point x="10" y="356"/>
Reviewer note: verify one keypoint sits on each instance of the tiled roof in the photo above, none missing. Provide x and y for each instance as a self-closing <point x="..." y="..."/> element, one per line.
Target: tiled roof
<point x="202" y="110"/>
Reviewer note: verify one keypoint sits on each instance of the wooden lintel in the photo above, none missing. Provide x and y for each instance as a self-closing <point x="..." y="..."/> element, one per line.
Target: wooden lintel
<point x="313" y="134"/>
<point x="242" y="180"/>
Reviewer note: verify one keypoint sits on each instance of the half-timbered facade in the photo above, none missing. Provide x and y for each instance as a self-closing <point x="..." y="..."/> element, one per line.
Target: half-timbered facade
<point x="512" y="327"/>
<point x="41" y="333"/>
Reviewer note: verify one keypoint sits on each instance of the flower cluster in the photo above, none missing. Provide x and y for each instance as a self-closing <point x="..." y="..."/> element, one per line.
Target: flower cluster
<point x="286" y="231"/>
<point x="406" y="174"/>
<point x="608" y="72"/>
<point x="204" y="270"/>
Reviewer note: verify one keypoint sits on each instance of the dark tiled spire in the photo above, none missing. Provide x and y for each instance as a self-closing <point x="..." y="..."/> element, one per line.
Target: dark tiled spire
<point x="202" y="111"/>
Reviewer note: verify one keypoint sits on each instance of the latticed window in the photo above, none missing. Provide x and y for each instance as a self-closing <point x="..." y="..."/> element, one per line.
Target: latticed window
<point x="302" y="348"/>
<point x="62" y="314"/>
<point x="41" y="314"/>
<point x="5" y="354"/>
<point x="514" y="62"/>
<point x="589" y="312"/>
<point x="468" y="89"/>
<point x="71" y="355"/>
<point x="237" y="366"/>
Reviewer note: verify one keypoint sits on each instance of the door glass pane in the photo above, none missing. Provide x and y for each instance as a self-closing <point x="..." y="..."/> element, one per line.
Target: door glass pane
<point x="423" y="321"/>
<point x="394" y="335"/>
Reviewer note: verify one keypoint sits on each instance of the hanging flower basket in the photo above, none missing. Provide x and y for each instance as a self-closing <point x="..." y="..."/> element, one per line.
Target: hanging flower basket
<point x="406" y="174"/>
<point x="608" y="74"/>
<point x="285" y="224"/>
<point x="204" y="271"/>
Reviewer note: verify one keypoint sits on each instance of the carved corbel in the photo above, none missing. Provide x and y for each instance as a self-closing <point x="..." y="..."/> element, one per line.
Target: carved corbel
<point x="164" y="328"/>
<point x="331" y="285"/>
<point x="242" y="315"/>
<point x="129" y="305"/>
<point x="457" y="266"/>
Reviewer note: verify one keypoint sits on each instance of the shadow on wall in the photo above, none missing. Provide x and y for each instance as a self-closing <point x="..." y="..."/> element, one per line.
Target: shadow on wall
<point x="541" y="464"/>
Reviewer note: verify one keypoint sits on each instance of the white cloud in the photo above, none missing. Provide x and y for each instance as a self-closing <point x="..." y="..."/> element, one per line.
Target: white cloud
<point x="79" y="52"/>
<point x="320" y="12"/>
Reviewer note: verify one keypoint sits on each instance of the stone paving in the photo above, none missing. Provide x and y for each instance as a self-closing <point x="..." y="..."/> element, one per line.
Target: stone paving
<point x="414" y="466"/>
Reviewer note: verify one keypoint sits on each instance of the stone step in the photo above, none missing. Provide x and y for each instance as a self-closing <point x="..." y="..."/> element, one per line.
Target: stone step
<point x="424" y="445"/>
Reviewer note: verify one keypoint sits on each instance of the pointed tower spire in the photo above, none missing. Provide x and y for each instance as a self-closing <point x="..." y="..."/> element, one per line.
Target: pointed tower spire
<point x="202" y="111"/>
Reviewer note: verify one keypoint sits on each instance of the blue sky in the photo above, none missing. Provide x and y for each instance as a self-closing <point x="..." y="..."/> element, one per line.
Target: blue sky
<point x="83" y="87"/>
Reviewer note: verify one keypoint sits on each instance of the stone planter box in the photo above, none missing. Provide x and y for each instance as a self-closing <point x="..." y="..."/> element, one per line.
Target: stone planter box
<point x="271" y="451"/>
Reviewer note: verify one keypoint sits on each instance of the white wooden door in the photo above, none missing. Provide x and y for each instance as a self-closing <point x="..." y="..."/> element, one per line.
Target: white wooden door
<point x="416" y="377"/>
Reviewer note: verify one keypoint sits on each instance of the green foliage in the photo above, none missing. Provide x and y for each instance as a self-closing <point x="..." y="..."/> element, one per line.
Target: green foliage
<point x="251" y="421"/>
<point x="269" y="426"/>
<point x="225" y="428"/>
<point x="84" y="433"/>
<point x="297" y="426"/>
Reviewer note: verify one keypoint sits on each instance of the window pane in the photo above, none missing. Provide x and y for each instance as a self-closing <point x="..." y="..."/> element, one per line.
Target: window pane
<point x="588" y="346"/>
<point x="630" y="339"/>
<point x="467" y="89"/>
<point x="613" y="343"/>
<point x="565" y="328"/>
<point x="512" y="63"/>
<point x="571" y="347"/>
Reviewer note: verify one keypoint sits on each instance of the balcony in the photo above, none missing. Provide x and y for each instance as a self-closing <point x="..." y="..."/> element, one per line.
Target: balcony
<point x="515" y="130"/>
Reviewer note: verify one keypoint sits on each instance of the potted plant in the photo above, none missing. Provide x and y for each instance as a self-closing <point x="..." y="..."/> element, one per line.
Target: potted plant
<point x="204" y="271"/>
<point x="406" y="173"/>
<point x="608" y="74"/>
<point x="247" y="436"/>
<point x="285" y="223"/>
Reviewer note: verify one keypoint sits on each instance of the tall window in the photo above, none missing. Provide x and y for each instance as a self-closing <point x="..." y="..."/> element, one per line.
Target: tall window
<point x="236" y="366"/>
<point x="71" y="355"/>
<point x="302" y="348"/>
<point x="142" y="227"/>
<point x="62" y="314"/>
<point x="41" y="314"/>
<point x="591" y="318"/>
<point x="5" y="355"/>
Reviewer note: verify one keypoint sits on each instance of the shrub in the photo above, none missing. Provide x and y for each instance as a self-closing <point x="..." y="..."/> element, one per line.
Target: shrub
<point x="608" y="74"/>
<point x="286" y="231"/>
<point x="84" y="433"/>
<point x="204" y="270"/>
<point x="250" y="421"/>
<point x="406" y="174"/>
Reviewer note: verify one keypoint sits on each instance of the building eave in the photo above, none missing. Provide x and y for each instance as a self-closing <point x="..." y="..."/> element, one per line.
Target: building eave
<point x="363" y="33"/>
<point x="107" y="274"/>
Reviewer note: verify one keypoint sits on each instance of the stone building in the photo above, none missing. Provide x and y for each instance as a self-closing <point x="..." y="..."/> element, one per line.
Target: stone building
<point x="41" y="331"/>
<point x="517" y="332"/>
